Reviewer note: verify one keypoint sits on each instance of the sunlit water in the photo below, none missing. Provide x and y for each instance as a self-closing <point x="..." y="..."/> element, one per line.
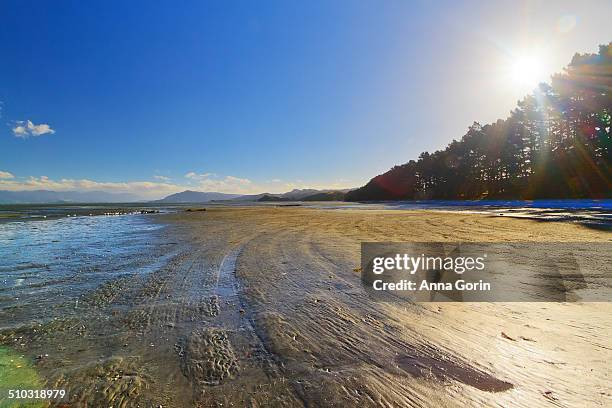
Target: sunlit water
<point x="49" y="266"/>
<point x="52" y="255"/>
<point x="596" y="213"/>
<point x="48" y="262"/>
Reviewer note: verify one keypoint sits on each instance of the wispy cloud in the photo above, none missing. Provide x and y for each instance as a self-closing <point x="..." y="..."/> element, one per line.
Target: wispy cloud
<point x="195" y="176"/>
<point x="227" y="184"/>
<point x="154" y="189"/>
<point x="162" y="178"/>
<point x="213" y="182"/>
<point x="143" y="189"/>
<point x="25" y="129"/>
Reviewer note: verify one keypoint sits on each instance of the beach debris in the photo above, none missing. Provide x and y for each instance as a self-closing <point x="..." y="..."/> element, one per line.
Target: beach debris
<point x="549" y="395"/>
<point x="508" y="337"/>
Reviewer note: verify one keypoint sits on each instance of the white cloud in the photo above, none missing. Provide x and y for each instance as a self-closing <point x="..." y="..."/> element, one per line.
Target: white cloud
<point x="195" y="176"/>
<point x="143" y="189"/>
<point x="162" y="178"/>
<point x="25" y="129"/>
<point x="20" y="131"/>
<point x="227" y="184"/>
<point x="153" y="190"/>
<point x="238" y="180"/>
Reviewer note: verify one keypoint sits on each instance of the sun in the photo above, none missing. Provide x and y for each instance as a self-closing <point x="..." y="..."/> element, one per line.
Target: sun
<point x="528" y="71"/>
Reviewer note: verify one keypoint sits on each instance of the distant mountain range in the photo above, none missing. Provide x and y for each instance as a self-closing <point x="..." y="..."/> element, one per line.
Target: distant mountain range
<point x="47" y="197"/>
<point x="189" y="196"/>
<point x="313" y="195"/>
<point x="293" y="195"/>
<point x="307" y="194"/>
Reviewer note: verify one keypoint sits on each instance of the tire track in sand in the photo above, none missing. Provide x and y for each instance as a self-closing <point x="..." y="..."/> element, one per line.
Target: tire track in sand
<point x="233" y="311"/>
<point x="231" y="352"/>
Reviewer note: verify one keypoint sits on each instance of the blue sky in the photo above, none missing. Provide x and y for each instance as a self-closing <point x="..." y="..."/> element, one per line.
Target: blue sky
<point x="155" y="97"/>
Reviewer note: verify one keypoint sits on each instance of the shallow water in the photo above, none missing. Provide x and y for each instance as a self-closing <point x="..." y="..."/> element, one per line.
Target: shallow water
<point x="597" y="213"/>
<point x="117" y="310"/>
<point x="213" y="308"/>
<point x="30" y="212"/>
<point x="50" y="262"/>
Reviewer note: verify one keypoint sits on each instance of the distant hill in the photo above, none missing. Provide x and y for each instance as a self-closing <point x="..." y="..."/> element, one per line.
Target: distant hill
<point x="293" y="195"/>
<point x="251" y="197"/>
<point x="299" y="194"/>
<point x="326" y="196"/>
<point x="189" y="196"/>
<point x="50" y="197"/>
<point x="271" y="198"/>
<point x="305" y="195"/>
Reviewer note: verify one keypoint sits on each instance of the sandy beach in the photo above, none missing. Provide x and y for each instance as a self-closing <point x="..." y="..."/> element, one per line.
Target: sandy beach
<point x="263" y="306"/>
<point x="306" y="204"/>
<point x="332" y="345"/>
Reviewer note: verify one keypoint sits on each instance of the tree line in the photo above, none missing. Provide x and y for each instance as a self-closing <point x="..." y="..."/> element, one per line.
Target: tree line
<point x="555" y="144"/>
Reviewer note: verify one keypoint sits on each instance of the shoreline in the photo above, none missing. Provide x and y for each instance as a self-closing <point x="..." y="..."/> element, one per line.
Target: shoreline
<point x="590" y="212"/>
<point x="272" y="296"/>
<point x="297" y="267"/>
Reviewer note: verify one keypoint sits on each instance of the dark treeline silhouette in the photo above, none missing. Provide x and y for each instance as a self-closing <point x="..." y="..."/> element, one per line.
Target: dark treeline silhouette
<point x="555" y="144"/>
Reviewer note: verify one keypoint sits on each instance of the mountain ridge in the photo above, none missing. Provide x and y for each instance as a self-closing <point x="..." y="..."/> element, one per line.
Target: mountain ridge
<point x="190" y="196"/>
<point x="307" y="194"/>
<point x="50" y="197"/>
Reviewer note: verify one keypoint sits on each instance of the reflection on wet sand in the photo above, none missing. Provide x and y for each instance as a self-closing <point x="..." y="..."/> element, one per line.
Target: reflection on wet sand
<point x="263" y="306"/>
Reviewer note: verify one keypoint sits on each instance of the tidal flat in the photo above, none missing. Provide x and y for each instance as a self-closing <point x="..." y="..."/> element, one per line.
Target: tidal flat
<point x="263" y="306"/>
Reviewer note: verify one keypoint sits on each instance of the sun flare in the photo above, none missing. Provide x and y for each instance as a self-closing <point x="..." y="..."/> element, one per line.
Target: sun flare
<point x="528" y="70"/>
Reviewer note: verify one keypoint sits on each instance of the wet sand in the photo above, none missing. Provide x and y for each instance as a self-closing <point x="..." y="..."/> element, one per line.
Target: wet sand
<point x="264" y="307"/>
